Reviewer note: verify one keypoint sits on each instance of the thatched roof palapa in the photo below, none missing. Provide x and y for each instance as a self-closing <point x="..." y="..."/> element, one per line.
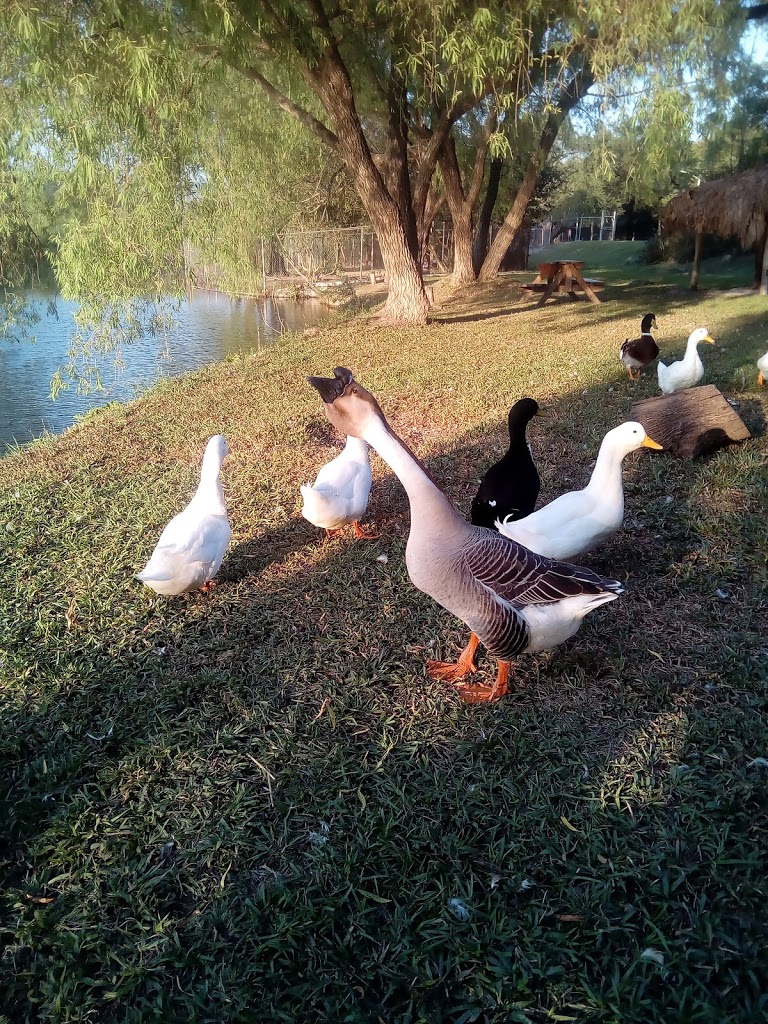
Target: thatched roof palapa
<point x="736" y="206"/>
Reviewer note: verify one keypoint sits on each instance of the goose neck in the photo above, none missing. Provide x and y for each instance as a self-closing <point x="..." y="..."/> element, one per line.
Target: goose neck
<point x="424" y="496"/>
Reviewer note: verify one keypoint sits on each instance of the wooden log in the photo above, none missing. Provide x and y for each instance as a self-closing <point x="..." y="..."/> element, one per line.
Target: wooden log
<point x="691" y="422"/>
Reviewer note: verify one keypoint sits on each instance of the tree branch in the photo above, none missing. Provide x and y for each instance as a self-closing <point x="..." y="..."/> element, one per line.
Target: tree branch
<point x="303" y="116"/>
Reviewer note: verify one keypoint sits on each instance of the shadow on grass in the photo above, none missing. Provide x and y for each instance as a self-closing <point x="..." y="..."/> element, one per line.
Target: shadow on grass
<point x="260" y="790"/>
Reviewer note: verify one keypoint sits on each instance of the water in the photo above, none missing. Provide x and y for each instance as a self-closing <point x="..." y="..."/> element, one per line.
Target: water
<point x="208" y="328"/>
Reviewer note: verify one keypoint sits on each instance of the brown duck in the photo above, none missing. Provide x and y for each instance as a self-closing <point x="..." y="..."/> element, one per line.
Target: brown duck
<point x="636" y="353"/>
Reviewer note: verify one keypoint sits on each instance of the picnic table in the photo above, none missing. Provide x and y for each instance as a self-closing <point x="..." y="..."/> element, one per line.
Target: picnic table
<point x="563" y="277"/>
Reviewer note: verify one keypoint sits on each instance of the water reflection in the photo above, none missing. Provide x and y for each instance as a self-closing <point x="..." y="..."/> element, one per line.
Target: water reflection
<point x="208" y="327"/>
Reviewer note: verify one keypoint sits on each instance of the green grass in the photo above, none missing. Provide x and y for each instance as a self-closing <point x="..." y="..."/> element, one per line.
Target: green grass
<point x="624" y="262"/>
<point x="255" y="806"/>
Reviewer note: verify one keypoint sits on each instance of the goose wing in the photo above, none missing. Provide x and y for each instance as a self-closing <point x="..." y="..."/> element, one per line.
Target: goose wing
<point x="520" y="577"/>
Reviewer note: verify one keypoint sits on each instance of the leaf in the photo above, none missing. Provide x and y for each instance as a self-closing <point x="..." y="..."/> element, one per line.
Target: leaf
<point x="568" y="825"/>
<point x="374" y="896"/>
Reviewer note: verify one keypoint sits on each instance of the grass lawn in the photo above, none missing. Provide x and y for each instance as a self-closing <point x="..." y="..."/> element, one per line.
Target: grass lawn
<point x="622" y="262"/>
<point x="254" y="805"/>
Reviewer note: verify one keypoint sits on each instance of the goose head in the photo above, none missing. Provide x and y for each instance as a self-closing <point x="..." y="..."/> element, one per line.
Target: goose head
<point x="699" y="335"/>
<point x="628" y="437"/>
<point x="349" y="407"/>
<point x="648" y="321"/>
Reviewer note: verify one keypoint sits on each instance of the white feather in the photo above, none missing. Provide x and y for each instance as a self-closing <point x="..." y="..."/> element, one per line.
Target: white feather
<point x="580" y="520"/>
<point x="340" y="492"/>
<point x="192" y="546"/>
<point x="687" y="371"/>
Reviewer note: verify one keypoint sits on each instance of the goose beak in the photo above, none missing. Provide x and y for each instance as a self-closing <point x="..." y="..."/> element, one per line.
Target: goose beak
<point x="710" y="340"/>
<point x="542" y="412"/>
<point x="330" y="388"/>
<point x="648" y="443"/>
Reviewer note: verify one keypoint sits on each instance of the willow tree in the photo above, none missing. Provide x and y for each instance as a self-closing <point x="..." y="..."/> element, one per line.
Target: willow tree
<point x="381" y="83"/>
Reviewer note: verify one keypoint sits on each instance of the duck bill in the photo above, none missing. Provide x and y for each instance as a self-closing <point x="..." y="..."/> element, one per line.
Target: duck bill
<point x="710" y="340"/>
<point x="648" y="443"/>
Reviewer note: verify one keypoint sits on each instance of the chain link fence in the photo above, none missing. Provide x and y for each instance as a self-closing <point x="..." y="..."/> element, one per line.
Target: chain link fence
<point x="301" y="258"/>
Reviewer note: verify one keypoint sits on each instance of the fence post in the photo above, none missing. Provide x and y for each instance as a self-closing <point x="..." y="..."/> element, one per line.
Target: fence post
<point x="361" y="252"/>
<point x="263" y="267"/>
<point x="613" y="229"/>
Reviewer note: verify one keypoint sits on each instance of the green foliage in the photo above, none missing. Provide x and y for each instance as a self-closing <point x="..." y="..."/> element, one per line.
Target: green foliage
<point x="155" y="129"/>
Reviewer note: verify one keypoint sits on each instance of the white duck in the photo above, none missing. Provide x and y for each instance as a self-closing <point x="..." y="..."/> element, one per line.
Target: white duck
<point x="192" y="545"/>
<point x="687" y="371"/>
<point x="580" y="520"/>
<point x="762" y="369"/>
<point x="512" y="600"/>
<point x="339" y="495"/>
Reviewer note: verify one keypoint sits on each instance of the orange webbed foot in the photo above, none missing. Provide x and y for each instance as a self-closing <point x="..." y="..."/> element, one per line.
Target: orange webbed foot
<point x="209" y="586"/>
<point x="362" y="535"/>
<point x="449" y="670"/>
<point x="477" y="693"/>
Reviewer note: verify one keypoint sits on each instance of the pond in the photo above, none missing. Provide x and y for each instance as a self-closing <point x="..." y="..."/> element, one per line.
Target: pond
<point x="208" y="327"/>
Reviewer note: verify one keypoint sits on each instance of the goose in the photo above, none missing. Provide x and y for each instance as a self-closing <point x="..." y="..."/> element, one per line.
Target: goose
<point x="762" y="369"/>
<point x="192" y="545"/>
<point x="511" y="486"/>
<point x="512" y="600"/>
<point x="687" y="371"/>
<point x="636" y="353"/>
<point x="580" y="520"/>
<point x="339" y="495"/>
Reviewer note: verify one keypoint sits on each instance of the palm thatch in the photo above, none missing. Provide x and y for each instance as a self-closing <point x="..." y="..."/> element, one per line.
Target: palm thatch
<point x="736" y="206"/>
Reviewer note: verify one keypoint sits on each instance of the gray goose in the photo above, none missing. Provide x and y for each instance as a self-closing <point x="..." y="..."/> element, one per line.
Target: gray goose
<point x="514" y="601"/>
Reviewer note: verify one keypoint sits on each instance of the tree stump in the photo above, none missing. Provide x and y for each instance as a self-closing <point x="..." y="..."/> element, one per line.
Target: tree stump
<point x="691" y="422"/>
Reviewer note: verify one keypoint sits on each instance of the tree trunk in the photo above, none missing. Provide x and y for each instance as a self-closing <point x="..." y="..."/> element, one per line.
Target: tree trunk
<point x="461" y="215"/>
<point x="480" y="246"/>
<point x="516" y="215"/>
<point x="425" y="222"/>
<point x="396" y="162"/>
<point x="407" y="302"/>
<point x="696" y="263"/>
<point x="570" y="96"/>
<point x="462" y="204"/>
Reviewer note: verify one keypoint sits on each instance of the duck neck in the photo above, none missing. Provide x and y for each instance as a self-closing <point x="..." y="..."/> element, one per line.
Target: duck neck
<point x="426" y="499"/>
<point x="606" y="479"/>
<point x="692" y="350"/>
<point x="356" y="448"/>
<point x="210" y="493"/>
<point x="517" y="438"/>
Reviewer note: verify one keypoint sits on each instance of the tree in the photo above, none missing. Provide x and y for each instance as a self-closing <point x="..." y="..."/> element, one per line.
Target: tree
<point x="119" y="87"/>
